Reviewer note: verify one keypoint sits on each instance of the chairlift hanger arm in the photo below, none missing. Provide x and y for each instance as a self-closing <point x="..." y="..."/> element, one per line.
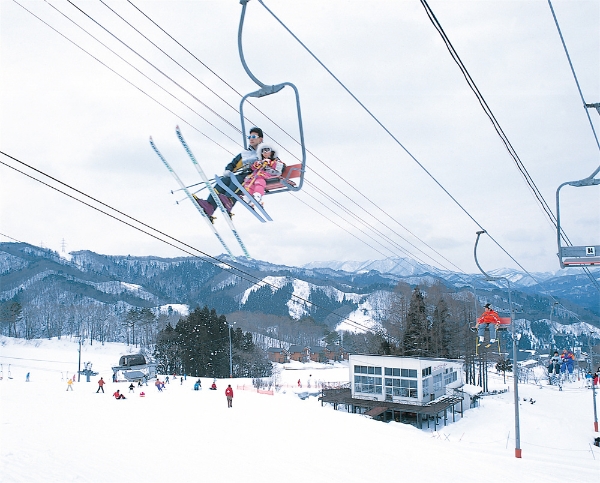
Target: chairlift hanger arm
<point x="584" y="255"/>
<point x="266" y="90"/>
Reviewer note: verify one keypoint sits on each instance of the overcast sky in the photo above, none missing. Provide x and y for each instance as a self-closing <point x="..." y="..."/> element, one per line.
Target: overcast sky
<point x="65" y="113"/>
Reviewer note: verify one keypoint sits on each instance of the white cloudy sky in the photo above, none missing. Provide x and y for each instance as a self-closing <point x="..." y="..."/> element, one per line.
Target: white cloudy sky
<point x="68" y="115"/>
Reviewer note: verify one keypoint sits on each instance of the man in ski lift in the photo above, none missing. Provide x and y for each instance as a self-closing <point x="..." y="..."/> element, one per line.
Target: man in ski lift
<point x="490" y="319"/>
<point x="240" y="166"/>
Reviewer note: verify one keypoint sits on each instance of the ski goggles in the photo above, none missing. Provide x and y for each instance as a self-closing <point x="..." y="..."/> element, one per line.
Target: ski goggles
<point x="253" y="136"/>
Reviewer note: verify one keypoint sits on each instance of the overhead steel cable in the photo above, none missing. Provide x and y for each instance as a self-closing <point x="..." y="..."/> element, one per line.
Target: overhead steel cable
<point x="122" y="77"/>
<point x="382" y="223"/>
<point x="178" y="85"/>
<point x="139" y="71"/>
<point x="336" y="224"/>
<point x="362" y="195"/>
<point x="353" y="225"/>
<point x="520" y="165"/>
<point x="585" y="106"/>
<point x="11" y="238"/>
<point x="155" y="67"/>
<point x="170" y="57"/>
<point x="209" y="258"/>
<point x="486" y="109"/>
<point x="112" y="51"/>
<point x="463" y="209"/>
<point x="363" y="222"/>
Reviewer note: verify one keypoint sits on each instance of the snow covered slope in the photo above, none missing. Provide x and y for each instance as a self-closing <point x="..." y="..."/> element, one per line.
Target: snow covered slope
<point x="50" y="435"/>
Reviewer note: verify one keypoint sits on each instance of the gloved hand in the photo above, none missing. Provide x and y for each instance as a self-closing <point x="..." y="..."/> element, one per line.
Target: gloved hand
<point x="256" y="165"/>
<point x="226" y="173"/>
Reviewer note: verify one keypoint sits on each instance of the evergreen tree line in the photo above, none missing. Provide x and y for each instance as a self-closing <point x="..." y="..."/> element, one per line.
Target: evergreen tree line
<point x="199" y="345"/>
<point x="421" y="324"/>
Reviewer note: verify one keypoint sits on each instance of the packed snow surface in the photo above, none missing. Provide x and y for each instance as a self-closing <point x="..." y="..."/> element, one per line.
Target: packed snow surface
<point x="49" y="434"/>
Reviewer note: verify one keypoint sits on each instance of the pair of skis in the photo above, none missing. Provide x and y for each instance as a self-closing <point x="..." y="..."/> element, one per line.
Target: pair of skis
<point x="211" y="190"/>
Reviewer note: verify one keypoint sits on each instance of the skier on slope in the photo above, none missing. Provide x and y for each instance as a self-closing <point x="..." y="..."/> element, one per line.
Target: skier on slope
<point x="229" y="395"/>
<point x="100" y="386"/>
<point x="238" y="167"/>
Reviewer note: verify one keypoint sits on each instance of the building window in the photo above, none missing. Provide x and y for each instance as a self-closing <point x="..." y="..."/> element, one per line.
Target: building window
<point x="400" y="387"/>
<point x="367" y="384"/>
<point x="450" y="377"/>
<point x="367" y="370"/>
<point x="426" y="387"/>
<point x="437" y="382"/>
<point x="426" y="372"/>
<point x="395" y="372"/>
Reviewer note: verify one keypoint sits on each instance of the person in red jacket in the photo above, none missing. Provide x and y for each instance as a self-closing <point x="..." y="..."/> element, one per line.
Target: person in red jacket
<point x="100" y="386"/>
<point x="229" y="394"/>
<point x="490" y="319"/>
<point x="118" y="395"/>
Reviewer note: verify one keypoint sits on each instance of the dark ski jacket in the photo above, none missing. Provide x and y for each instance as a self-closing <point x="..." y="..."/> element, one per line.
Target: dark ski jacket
<point x="242" y="161"/>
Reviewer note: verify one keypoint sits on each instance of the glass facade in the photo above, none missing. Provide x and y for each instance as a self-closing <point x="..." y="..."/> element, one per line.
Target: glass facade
<point x="369" y="384"/>
<point x="393" y="382"/>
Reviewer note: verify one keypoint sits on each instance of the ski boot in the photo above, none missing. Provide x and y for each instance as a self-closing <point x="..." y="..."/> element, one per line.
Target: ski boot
<point x="207" y="207"/>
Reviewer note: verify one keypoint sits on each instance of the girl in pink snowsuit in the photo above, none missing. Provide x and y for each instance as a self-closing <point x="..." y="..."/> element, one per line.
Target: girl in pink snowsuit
<point x="267" y="166"/>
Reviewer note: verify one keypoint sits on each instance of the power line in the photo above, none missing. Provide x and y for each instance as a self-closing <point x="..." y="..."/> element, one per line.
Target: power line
<point x="484" y="105"/>
<point x="215" y="261"/>
<point x="119" y="75"/>
<point x="213" y="141"/>
<point x="120" y="57"/>
<point x="397" y="141"/>
<point x="297" y="142"/>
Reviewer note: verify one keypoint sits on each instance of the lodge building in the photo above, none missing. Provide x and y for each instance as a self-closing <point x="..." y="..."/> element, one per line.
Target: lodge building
<point x="404" y="389"/>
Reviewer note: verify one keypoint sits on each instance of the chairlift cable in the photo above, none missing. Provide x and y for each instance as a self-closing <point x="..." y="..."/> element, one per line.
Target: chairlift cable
<point x="398" y="142"/>
<point x="64" y="15"/>
<point x="208" y="258"/>
<point x="576" y="82"/>
<point x="503" y="137"/>
<point x="157" y="69"/>
<point x="186" y="70"/>
<point x="121" y="76"/>
<point x="308" y="151"/>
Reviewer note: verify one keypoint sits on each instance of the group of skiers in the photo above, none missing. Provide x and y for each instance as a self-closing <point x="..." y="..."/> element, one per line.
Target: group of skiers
<point x="563" y="363"/>
<point x="251" y="168"/>
<point x="160" y="385"/>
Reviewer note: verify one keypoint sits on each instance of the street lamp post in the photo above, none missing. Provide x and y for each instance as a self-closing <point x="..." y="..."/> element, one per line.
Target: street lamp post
<point x="514" y="340"/>
<point x="230" y="354"/>
<point x="79" y="363"/>
<point x="593" y="383"/>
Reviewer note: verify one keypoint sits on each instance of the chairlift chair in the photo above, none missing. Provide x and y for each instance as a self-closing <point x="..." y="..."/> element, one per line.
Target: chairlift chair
<point x="576" y="256"/>
<point x="292" y="177"/>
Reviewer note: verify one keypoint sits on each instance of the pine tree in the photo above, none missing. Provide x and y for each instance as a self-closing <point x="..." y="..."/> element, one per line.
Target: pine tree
<point x="417" y="335"/>
<point x="166" y="351"/>
<point x="440" y="336"/>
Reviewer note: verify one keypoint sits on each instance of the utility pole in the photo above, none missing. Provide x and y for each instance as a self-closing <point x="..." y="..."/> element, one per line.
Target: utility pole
<point x="514" y="340"/>
<point x="79" y="364"/>
<point x="593" y="383"/>
<point x="230" y="355"/>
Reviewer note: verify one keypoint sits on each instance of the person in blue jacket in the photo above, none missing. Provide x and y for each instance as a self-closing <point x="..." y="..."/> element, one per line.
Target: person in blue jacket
<point x="568" y="361"/>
